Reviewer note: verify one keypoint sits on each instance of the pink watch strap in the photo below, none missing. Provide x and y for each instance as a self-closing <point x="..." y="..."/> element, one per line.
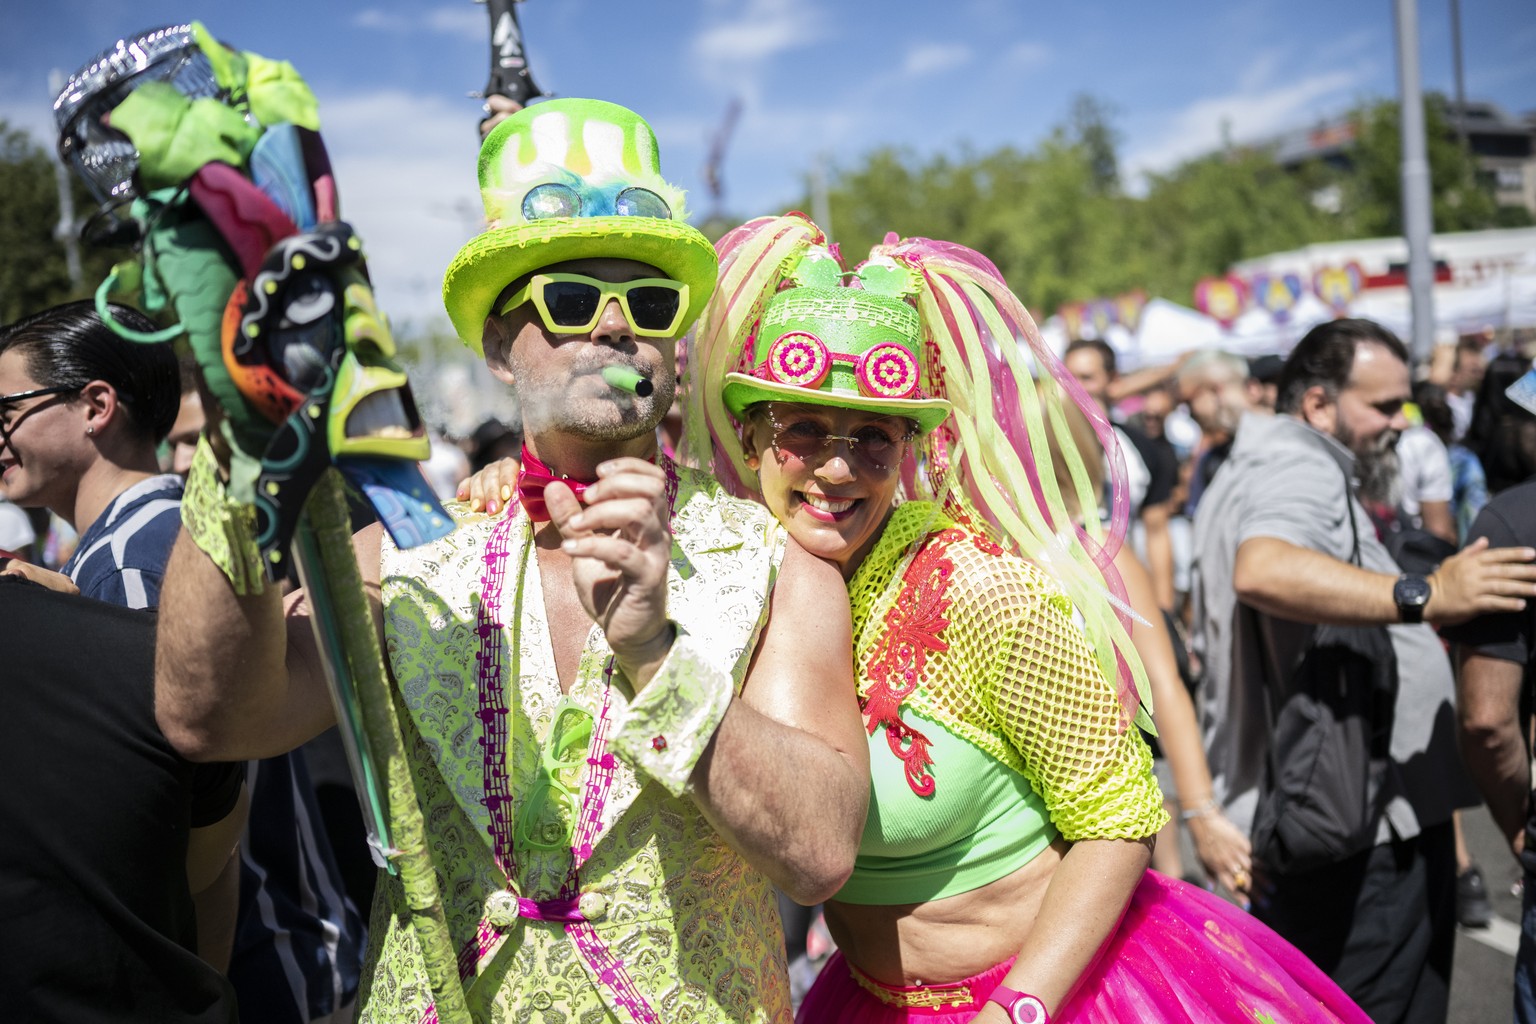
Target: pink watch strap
<point x="1022" y="1008"/>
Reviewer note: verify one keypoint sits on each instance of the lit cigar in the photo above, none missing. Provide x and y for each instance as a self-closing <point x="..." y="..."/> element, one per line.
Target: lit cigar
<point x="625" y="379"/>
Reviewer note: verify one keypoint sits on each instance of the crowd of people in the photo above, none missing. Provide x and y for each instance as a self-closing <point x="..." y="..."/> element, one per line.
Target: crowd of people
<point x="807" y="580"/>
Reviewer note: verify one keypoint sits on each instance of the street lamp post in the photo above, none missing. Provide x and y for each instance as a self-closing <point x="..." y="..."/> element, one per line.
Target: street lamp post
<point x="1418" y="223"/>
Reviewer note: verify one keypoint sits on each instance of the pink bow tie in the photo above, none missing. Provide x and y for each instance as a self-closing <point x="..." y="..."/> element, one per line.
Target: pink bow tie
<point x="533" y="478"/>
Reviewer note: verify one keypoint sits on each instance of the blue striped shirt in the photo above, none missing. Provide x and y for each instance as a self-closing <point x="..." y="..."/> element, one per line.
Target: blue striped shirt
<point x="298" y="941"/>
<point x="121" y="557"/>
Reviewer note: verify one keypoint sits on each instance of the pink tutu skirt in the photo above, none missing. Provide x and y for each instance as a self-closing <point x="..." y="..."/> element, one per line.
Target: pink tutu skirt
<point x="1180" y="955"/>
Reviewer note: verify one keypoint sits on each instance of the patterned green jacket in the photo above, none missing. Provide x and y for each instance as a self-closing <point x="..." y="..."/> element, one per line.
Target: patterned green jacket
<point x="675" y="922"/>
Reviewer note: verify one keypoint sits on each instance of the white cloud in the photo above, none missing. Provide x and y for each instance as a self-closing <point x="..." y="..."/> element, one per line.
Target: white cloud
<point x="934" y="58"/>
<point x="462" y="20"/>
<point x="1247" y="116"/>
<point x="776" y="146"/>
<point x="381" y="21"/>
<point x="1260" y="71"/>
<point x="1021" y="56"/>
<point x="762" y="30"/>
<point x="1365" y="43"/>
<point x="405" y="166"/>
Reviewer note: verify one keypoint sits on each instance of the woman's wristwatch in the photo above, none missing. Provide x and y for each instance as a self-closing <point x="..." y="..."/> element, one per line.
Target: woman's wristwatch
<point x="1022" y="1008"/>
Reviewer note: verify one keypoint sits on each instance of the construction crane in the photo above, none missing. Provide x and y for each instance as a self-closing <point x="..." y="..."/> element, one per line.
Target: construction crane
<point x="712" y="177"/>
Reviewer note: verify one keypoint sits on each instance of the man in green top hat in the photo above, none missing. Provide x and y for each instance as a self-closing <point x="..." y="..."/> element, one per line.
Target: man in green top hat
<point x="607" y="803"/>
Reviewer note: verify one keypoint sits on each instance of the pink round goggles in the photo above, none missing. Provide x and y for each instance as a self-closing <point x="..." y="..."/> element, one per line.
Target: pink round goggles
<point x="801" y="359"/>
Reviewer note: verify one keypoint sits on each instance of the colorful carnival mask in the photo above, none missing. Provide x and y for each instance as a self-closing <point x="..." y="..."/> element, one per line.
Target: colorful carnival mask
<point x="230" y="196"/>
<point x="104" y="157"/>
<point x="304" y="342"/>
<point x="219" y="152"/>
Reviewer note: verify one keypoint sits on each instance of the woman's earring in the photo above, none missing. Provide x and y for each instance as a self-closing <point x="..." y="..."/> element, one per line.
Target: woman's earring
<point x="90" y="430"/>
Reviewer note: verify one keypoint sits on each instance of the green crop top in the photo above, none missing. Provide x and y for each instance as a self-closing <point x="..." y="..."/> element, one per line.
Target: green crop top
<point x="992" y="729"/>
<point x="982" y="822"/>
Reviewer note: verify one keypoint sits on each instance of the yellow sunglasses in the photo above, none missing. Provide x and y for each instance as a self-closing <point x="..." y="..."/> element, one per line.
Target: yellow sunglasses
<point x="573" y="303"/>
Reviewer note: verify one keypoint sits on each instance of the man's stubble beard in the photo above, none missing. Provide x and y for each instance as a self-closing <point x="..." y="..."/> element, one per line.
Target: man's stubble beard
<point x="550" y="410"/>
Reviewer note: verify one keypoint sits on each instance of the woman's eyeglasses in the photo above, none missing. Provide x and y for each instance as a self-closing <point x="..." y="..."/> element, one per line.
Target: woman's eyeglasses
<point x="573" y="303"/>
<point x="873" y="446"/>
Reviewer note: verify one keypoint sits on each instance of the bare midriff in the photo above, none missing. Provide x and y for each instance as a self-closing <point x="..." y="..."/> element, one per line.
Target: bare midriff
<point x="948" y="939"/>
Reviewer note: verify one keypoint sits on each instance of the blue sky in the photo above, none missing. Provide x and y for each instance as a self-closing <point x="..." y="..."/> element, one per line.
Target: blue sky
<point x="818" y="79"/>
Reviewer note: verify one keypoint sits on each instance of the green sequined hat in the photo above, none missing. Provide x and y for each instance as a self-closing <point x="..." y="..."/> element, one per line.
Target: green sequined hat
<point x="825" y="344"/>
<point x="569" y="179"/>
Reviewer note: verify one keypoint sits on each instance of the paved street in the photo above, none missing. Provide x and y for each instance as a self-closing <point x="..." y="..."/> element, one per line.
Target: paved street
<point x="1482" y="984"/>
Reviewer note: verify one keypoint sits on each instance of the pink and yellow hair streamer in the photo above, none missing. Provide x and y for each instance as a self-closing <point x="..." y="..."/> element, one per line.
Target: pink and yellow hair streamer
<point x="988" y="464"/>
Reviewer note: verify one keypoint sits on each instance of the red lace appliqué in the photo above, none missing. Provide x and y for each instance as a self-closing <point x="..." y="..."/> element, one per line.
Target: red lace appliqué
<point x="987" y="547"/>
<point x="912" y="629"/>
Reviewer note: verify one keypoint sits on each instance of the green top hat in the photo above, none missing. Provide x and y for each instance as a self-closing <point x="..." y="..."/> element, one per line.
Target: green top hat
<point x="840" y="347"/>
<point x="569" y="179"/>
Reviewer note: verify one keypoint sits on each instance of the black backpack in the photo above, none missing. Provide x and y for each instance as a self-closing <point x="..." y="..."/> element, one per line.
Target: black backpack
<point x="1330" y="773"/>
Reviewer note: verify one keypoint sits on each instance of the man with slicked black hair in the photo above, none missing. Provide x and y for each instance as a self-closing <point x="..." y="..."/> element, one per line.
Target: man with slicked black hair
<point x="82" y="413"/>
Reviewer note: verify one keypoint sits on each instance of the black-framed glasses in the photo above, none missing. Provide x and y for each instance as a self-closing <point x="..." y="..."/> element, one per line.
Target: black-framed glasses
<point x="7" y="424"/>
<point x="872" y="445"/>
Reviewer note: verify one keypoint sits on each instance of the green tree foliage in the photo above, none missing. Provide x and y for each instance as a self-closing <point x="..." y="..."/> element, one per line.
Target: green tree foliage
<point x="1060" y="226"/>
<point x="1054" y="220"/>
<point x="1372" y="188"/>
<point x="33" y="274"/>
<point x="1091" y="127"/>
<point x="33" y="271"/>
<point x="1211" y="212"/>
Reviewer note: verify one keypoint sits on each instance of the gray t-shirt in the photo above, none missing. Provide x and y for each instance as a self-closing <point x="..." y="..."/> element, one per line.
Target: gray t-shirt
<point x="1286" y="480"/>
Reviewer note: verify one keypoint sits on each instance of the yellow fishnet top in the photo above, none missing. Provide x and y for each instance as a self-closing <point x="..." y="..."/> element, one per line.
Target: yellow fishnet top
<point x="1004" y="667"/>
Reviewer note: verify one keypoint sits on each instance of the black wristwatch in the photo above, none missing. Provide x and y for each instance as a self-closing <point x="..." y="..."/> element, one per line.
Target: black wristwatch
<point x="1411" y="593"/>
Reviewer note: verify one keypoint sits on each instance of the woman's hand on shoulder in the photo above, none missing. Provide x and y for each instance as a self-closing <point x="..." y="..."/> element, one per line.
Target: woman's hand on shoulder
<point x="492" y="489"/>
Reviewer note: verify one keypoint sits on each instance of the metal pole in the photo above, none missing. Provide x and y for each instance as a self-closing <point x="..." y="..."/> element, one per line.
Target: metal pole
<point x="66" y="231"/>
<point x="1461" y="91"/>
<point x="1417" y="220"/>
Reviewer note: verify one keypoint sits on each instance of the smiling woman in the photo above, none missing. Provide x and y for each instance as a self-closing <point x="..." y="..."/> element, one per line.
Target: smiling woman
<point x="828" y="473"/>
<point x="888" y="420"/>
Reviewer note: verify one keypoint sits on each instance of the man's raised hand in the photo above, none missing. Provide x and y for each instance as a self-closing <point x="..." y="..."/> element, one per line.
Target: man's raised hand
<point x="620" y="545"/>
